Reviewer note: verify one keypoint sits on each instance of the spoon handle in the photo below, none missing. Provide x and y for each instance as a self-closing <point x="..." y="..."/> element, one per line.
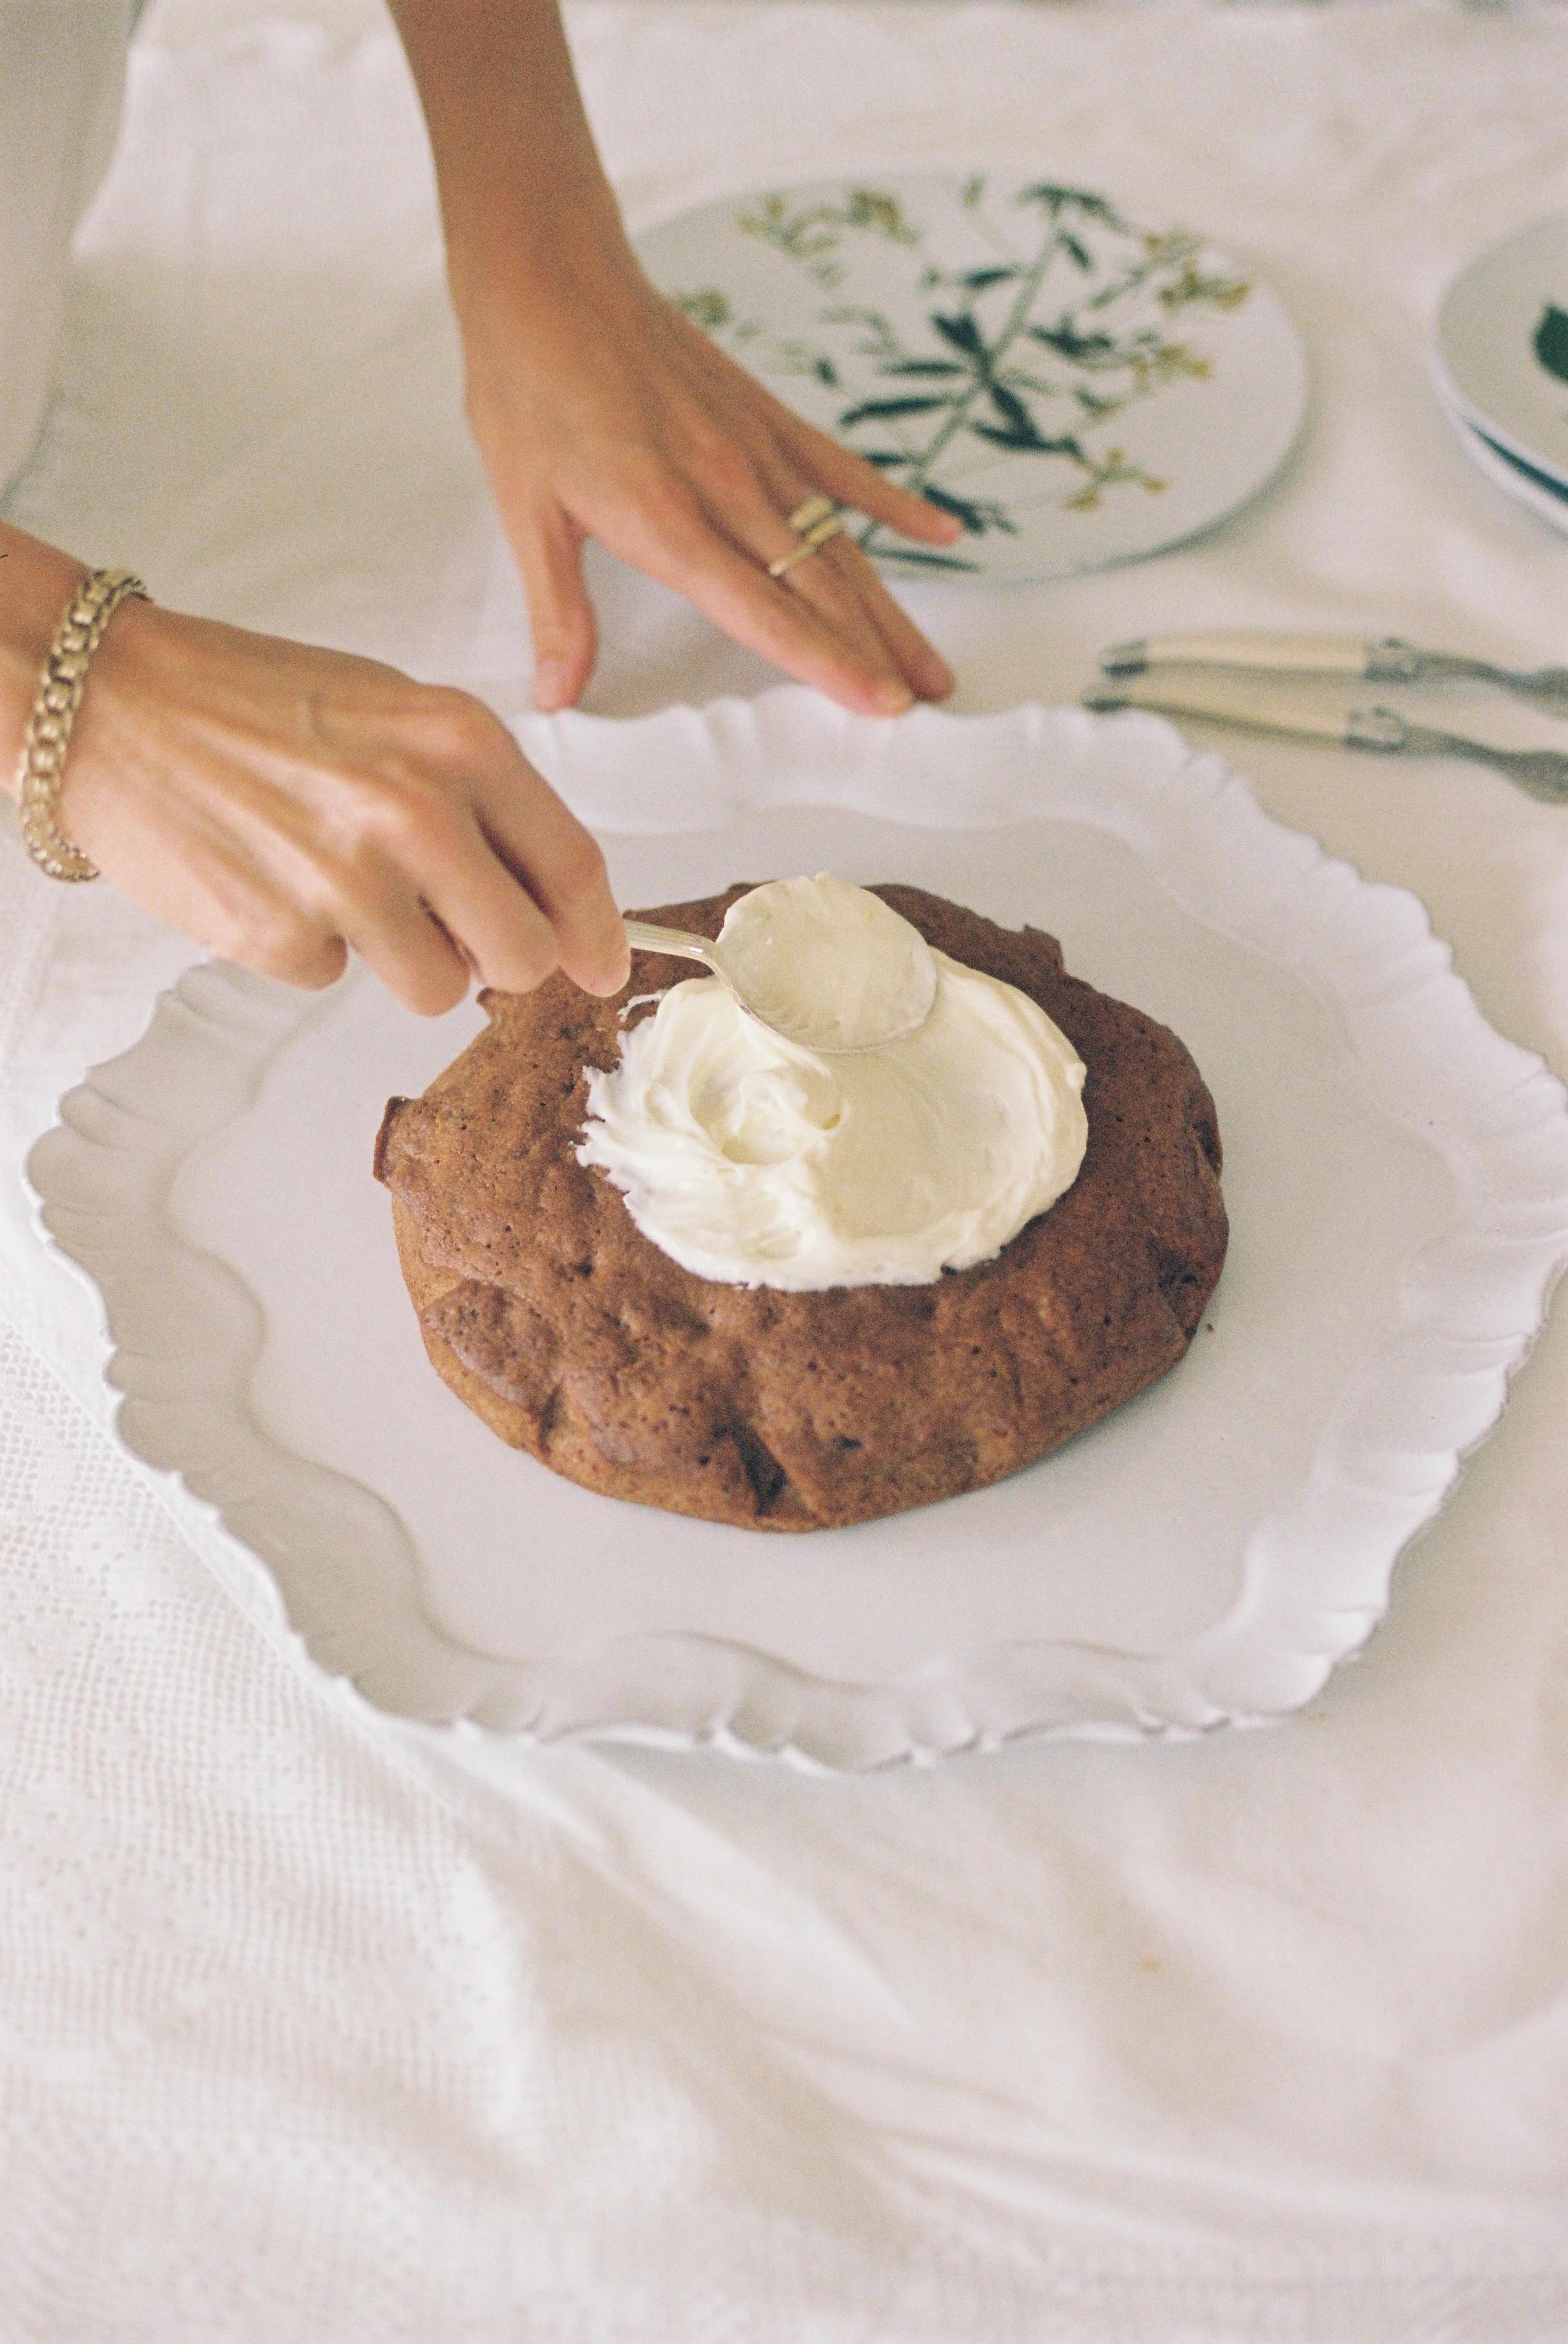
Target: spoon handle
<point x="642" y="935"/>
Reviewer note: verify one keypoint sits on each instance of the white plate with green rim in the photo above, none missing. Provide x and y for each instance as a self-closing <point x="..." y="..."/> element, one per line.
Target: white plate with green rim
<point x="1526" y="484"/>
<point x="1077" y="388"/>
<point x="1502" y="344"/>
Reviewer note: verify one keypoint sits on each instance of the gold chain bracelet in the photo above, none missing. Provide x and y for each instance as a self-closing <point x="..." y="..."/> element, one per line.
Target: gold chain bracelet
<point x="55" y="707"/>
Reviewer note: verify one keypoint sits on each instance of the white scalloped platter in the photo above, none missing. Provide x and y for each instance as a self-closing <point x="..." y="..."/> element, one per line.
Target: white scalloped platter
<point x="1397" y="1176"/>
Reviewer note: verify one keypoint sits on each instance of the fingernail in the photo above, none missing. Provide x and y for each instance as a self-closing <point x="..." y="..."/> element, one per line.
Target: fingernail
<point x="891" y="698"/>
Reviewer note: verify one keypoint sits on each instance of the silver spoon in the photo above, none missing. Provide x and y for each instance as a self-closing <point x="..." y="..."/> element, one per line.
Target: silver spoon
<point x="1543" y="772"/>
<point x="642" y="935"/>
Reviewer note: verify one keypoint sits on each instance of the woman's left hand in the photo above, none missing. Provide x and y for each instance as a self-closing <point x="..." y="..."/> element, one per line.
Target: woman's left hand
<point x="604" y="412"/>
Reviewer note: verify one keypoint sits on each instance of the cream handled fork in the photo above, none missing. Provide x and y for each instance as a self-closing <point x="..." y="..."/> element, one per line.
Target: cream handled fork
<point x="1386" y="659"/>
<point x="1544" y="772"/>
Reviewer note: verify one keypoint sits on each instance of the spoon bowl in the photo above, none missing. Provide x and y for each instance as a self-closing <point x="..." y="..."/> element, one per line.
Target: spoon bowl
<point x="681" y="944"/>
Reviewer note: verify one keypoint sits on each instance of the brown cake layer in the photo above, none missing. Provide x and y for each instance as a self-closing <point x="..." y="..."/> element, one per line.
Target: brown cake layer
<point x="546" y="1310"/>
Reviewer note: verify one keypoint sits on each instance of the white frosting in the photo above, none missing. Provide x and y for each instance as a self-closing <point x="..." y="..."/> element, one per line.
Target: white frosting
<point x="831" y="965"/>
<point x="755" y="1162"/>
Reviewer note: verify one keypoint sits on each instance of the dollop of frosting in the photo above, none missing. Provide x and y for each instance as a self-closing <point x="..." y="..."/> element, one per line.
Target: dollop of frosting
<point x="830" y="964"/>
<point x="755" y="1161"/>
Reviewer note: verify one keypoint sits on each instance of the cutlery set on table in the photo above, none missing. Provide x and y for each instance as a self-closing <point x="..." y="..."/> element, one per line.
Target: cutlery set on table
<point x="1500" y="362"/>
<point x="1199" y="667"/>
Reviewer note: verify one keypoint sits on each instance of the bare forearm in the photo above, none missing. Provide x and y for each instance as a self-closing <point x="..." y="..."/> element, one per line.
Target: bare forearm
<point x="525" y="204"/>
<point x="602" y="412"/>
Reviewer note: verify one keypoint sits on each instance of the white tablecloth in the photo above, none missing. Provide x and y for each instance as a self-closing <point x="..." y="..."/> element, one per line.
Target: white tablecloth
<point x="315" y="2026"/>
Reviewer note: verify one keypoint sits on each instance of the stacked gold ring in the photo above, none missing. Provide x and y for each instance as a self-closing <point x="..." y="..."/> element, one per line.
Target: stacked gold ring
<point x="814" y="522"/>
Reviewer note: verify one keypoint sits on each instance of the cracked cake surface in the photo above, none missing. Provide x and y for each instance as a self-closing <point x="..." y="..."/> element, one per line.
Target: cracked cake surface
<point x="575" y="1337"/>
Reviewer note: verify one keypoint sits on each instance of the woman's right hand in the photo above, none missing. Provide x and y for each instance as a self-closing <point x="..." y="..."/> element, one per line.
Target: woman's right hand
<point x="281" y="805"/>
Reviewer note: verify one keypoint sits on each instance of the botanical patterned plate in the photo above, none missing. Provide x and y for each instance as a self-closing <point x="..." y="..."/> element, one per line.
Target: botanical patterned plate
<point x="1502" y="344"/>
<point x="1077" y="387"/>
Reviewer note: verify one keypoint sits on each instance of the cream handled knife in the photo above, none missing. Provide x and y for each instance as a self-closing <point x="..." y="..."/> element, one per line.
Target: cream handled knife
<point x="1386" y="660"/>
<point x="1205" y="696"/>
<point x="1544" y="772"/>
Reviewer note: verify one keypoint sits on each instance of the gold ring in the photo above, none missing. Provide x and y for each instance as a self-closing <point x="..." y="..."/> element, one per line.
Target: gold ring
<point x="805" y="516"/>
<point x="812" y="538"/>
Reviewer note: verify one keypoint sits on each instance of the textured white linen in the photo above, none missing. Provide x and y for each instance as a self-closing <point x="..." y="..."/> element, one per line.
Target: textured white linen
<point x="312" y="2025"/>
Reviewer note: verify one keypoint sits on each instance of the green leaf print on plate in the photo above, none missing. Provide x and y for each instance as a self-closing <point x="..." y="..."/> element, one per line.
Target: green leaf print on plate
<point x="1071" y="386"/>
<point x="1551" y="341"/>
